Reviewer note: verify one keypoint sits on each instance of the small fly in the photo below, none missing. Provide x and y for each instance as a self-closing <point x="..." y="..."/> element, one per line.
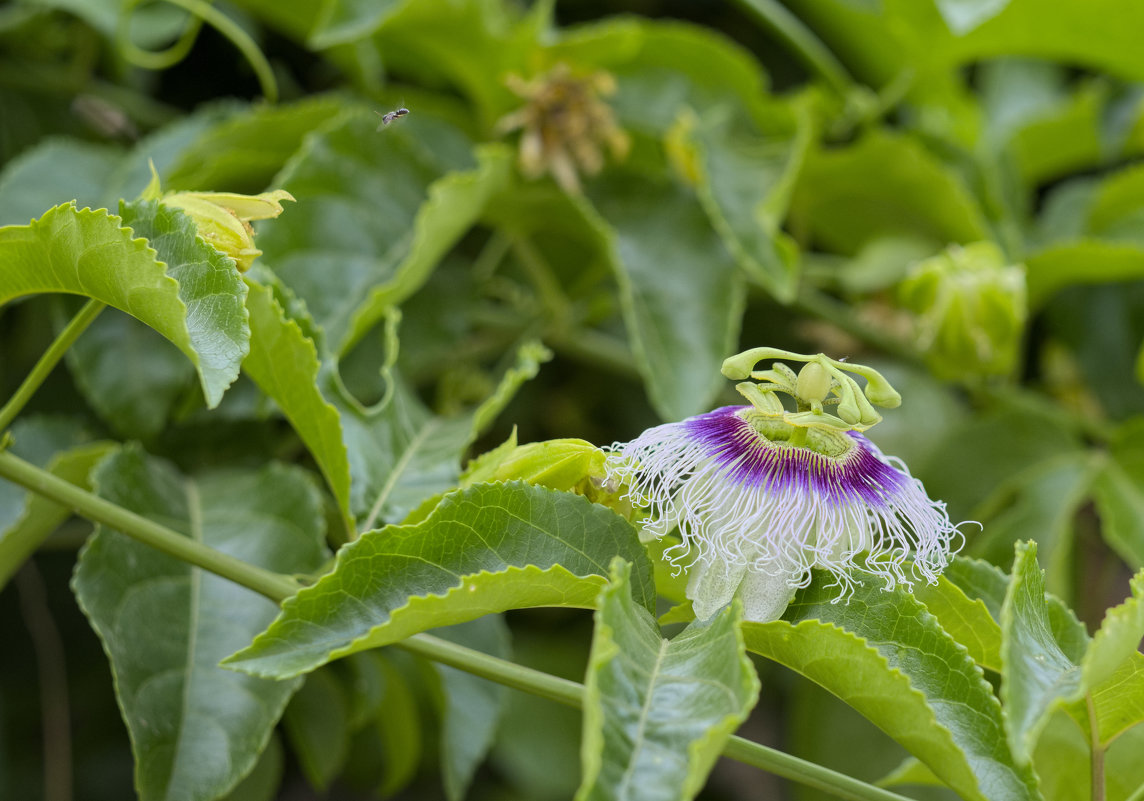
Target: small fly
<point x="390" y="116"/>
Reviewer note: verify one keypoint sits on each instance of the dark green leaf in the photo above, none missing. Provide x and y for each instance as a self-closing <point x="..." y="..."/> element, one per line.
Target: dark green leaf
<point x="657" y="712"/>
<point x="261" y="784"/>
<point x="1086" y="261"/>
<point x="376" y="212"/>
<point x="196" y="729"/>
<point x="883" y="654"/>
<point x="471" y="706"/>
<point x="485" y="549"/>
<point x="884" y="185"/>
<point x="317" y="723"/>
<point x="681" y="291"/>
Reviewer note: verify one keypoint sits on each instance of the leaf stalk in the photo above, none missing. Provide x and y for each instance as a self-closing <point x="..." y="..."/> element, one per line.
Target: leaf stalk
<point x="51" y="357"/>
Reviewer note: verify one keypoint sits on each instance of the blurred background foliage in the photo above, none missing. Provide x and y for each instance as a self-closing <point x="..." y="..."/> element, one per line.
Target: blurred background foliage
<point x="949" y="190"/>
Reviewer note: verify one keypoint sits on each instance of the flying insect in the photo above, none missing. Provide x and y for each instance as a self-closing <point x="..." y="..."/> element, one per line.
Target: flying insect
<point x="390" y="116"/>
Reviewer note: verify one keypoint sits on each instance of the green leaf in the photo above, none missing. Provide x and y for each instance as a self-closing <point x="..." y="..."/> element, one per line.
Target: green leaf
<point x="399" y="727"/>
<point x="965" y="619"/>
<point x="209" y="285"/>
<point x="283" y="361"/>
<point x="657" y="712"/>
<point x="681" y="291"/>
<point x="262" y="783"/>
<point x="470" y="706"/>
<point x="883" y="654"/>
<point x="345" y="21"/>
<point x="243" y="152"/>
<point x="317" y="723"/>
<point x="962" y="16"/>
<point x="1118" y="703"/>
<point x="1118" y="637"/>
<point x="27" y="519"/>
<point x="1063" y="761"/>
<point x="885" y="185"/>
<point x="57" y="171"/>
<point x="1085" y="261"/>
<point x="1118" y="493"/>
<point x="1036" y="674"/>
<point x="130" y="376"/>
<point x="90" y="253"/>
<point x="1041" y="502"/>
<point x="377" y="211"/>
<point x="402" y="453"/>
<point x="196" y="729"/>
<point x="485" y="549"/>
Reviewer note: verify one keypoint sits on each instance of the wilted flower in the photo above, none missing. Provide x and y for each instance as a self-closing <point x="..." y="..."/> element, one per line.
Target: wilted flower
<point x="761" y="495"/>
<point x="223" y="219"/>
<point x="970" y="308"/>
<point x="564" y="124"/>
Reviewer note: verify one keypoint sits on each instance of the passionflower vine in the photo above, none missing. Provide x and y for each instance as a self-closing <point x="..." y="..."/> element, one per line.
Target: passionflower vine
<point x="760" y="495"/>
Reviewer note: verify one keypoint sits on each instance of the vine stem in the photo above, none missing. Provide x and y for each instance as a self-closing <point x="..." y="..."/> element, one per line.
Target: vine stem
<point x="278" y="588"/>
<point x="794" y="32"/>
<point x="51" y="357"/>
<point x="272" y="585"/>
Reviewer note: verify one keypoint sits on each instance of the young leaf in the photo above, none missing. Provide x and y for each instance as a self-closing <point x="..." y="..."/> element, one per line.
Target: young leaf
<point x="1036" y="674"/>
<point x="196" y="729"/>
<point x="657" y="712"/>
<point x="283" y="361"/>
<point x="681" y="291"/>
<point x="883" y="654"/>
<point x="488" y="548"/>
<point x="379" y="210"/>
<point x="470" y="706"/>
<point x="965" y="619"/>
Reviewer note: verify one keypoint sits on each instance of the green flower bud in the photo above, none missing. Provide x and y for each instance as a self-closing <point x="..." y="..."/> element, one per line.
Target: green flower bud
<point x="970" y="309"/>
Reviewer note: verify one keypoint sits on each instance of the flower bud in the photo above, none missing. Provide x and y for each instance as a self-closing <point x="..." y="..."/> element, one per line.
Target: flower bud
<point x="970" y="308"/>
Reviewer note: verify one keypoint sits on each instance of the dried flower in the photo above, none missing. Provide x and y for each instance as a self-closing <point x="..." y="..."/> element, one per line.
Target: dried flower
<point x="564" y="124"/>
<point x="761" y="495"/>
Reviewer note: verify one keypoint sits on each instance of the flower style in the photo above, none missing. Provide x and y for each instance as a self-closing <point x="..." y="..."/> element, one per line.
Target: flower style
<point x="761" y="495"/>
<point x="564" y="124"/>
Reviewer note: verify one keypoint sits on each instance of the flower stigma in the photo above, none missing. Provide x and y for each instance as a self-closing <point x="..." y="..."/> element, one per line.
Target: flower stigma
<point x="761" y="494"/>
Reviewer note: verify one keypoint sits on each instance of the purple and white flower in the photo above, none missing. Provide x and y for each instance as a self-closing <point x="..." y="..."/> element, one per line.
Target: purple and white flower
<point x="756" y="512"/>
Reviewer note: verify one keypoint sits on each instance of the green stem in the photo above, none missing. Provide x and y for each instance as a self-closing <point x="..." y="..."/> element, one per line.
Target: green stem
<point x="94" y="508"/>
<point x="76" y="326"/>
<point x="794" y="32"/>
<point x="1098" y="788"/>
<point x="277" y="588"/>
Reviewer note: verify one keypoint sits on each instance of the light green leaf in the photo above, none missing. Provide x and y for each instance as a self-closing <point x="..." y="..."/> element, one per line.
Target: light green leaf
<point x="885" y="185"/>
<point x="377" y="211"/>
<point x="965" y="619"/>
<point x="209" y="285"/>
<point x="196" y="729"/>
<point x="470" y="706"/>
<point x="1036" y="674"/>
<point x="243" y="152"/>
<point x="1063" y="761"/>
<point x="1119" y="499"/>
<point x="657" y="712"/>
<point x="485" y="549"/>
<point x="1084" y="261"/>
<point x="283" y="361"/>
<point x="1118" y="637"/>
<point x="883" y="654"/>
<point x="402" y="453"/>
<point x="681" y="291"/>
<point x="91" y="253"/>
<point x="911" y="771"/>
<point x="345" y="21"/>
<point x="317" y="723"/>
<point x="1118" y="703"/>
